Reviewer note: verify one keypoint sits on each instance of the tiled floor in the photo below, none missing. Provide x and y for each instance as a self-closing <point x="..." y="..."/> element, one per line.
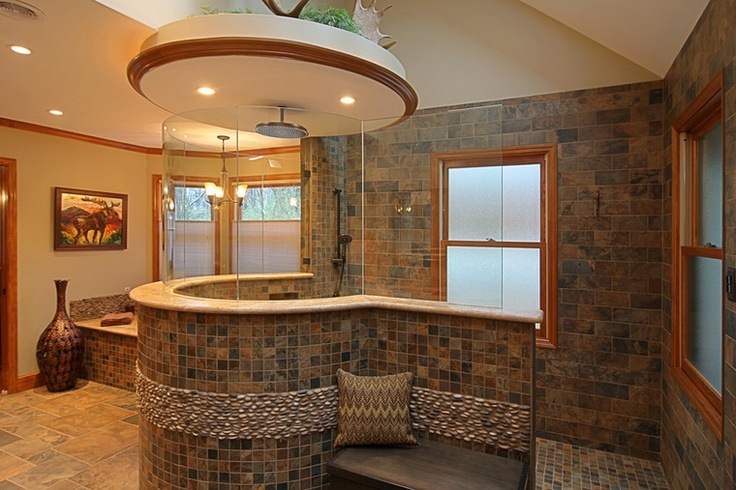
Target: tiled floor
<point x="563" y="466"/>
<point x="84" y="438"/>
<point x="88" y="438"/>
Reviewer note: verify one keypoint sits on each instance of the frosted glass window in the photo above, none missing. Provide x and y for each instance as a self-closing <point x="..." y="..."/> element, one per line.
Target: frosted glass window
<point x="498" y="277"/>
<point x="194" y="248"/>
<point x="474" y="203"/>
<point x="521" y="203"/>
<point x="704" y="305"/>
<point x="521" y="278"/>
<point x="710" y="189"/>
<point x="474" y="276"/>
<point x="266" y="246"/>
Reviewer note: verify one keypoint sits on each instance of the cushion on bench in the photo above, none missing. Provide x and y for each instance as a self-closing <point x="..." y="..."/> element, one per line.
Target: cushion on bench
<point x="432" y="466"/>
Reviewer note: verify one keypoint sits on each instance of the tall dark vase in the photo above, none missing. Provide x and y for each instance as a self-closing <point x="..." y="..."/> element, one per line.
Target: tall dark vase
<point x="60" y="349"/>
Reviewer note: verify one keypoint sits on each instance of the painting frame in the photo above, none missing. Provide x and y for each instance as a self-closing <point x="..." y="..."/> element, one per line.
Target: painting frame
<point x="90" y="220"/>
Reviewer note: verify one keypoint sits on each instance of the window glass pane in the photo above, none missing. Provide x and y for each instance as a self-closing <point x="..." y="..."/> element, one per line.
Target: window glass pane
<point x="704" y="317"/>
<point x="191" y="204"/>
<point x="272" y="203"/>
<point x="521" y="203"/>
<point x="474" y="203"/>
<point x="474" y="276"/>
<point x="194" y="248"/>
<point x="710" y="190"/>
<point x="521" y="278"/>
<point x="270" y="246"/>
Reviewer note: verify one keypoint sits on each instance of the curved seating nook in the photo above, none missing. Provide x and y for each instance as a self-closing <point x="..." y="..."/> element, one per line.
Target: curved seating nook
<point x="239" y="393"/>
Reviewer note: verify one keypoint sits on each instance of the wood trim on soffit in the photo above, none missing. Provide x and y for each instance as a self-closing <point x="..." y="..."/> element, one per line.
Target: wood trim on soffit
<point x="36" y="128"/>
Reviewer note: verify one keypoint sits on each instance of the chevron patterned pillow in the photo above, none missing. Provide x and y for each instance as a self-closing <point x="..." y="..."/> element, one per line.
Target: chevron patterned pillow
<point x="374" y="410"/>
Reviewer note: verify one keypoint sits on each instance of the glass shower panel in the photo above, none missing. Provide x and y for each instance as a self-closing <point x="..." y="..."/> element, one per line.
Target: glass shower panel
<point x="710" y="188"/>
<point x="475" y="203"/>
<point x="475" y="276"/>
<point x="704" y="303"/>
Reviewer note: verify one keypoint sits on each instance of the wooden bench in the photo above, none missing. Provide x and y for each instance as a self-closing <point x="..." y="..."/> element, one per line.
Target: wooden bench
<point x="432" y="466"/>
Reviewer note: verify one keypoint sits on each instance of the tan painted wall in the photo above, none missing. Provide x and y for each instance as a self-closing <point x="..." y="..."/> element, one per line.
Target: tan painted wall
<point x="477" y="50"/>
<point x="45" y="162"/>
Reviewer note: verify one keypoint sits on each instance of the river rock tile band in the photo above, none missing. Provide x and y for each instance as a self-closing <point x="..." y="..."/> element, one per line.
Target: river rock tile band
<point x="283" y="415"/>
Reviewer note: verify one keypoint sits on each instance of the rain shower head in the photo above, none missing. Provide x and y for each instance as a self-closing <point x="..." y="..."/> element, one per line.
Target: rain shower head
<point x="281" y="128"/>
<point x="344" y="239"/>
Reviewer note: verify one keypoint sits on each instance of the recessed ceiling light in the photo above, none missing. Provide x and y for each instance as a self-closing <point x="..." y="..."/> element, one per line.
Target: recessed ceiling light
<point x="347" y="100"/>
<point x="55" y="112"/>
<point x="206" y="91"/>
<point x="19" y="49"/>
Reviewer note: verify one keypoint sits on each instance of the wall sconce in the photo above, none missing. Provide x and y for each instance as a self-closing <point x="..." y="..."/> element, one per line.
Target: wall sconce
<point x="217" y="195"/>
<point x="403" y="207"/>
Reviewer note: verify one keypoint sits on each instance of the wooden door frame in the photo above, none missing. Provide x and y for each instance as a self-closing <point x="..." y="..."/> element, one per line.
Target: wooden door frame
<point x="9" y="300"/>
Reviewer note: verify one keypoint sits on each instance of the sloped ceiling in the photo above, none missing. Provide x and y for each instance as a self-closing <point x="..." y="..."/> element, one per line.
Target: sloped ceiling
<point x="453" y="52"/>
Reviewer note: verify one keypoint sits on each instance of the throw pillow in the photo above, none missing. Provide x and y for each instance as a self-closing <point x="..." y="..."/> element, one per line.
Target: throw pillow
<point x="374" y="410"/>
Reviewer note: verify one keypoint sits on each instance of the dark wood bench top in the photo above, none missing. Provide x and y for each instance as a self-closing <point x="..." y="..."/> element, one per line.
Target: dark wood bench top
<point x="432" y="466"/>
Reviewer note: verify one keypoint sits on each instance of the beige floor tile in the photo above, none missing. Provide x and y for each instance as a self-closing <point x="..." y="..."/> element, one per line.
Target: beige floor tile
<point x="49" y="473"/>
<point x="99" y="444"/>
<point x="7" y="438"/>
<point x="79" y="423"/>
<point x="36" y="443"/>
<point x="6" y="485"/>
<point x="119" y="472"/>
<point x="26" y="424"/>
<point x="12" y="465"/>
<point x="67" y="485"/>
<point x="73" y="401"/>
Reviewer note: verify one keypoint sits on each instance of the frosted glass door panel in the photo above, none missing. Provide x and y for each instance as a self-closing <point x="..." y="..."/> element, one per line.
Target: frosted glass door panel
<point x="704" y="310"/>
<point x="710" y="189"/>
<point x="521" y="203"/>
<point x="194" y="248"/>
<point x="474" y="203"/>
<point x="521" y="278"/>
<point x="474" y="276"/>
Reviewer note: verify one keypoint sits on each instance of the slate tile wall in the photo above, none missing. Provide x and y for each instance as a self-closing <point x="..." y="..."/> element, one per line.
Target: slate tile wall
<point x="692" y="455"/>
<point x="602" y="386"/>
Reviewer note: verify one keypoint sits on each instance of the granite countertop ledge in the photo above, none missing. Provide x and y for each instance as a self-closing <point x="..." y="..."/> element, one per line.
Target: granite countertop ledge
<point x="158" y="295"/>
<point x="129" y="330"/>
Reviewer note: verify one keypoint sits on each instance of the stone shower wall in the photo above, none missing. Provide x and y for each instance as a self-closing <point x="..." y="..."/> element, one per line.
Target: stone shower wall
<point x="602" y="386"/>
<point x="692" y="455"/>
<point x="223" y="362"/>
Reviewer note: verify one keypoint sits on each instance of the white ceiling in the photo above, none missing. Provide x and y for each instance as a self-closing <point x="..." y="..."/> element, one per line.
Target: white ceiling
<point x="81" y="49"/>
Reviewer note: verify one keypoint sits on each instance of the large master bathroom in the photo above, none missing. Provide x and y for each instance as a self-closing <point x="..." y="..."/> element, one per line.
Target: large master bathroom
<point x="346" y="244"/>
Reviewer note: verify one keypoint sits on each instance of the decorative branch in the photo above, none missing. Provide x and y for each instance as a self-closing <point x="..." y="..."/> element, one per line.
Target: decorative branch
<point x="276" y="9"/>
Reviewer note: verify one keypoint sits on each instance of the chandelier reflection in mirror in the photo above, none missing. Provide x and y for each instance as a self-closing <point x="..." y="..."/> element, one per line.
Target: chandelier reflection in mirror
<point x="217" y="195"/>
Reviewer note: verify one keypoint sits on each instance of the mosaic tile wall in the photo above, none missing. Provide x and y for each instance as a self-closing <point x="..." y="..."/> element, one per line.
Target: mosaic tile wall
<point x="90" y="308"/>
<point x="692" y="456"/>
<point x="265" y="289"/>
<point x="602" y="386"/>
<point x="280" y="353"/>
<point x="109" y="358"/>
<point x="328" y="163"/>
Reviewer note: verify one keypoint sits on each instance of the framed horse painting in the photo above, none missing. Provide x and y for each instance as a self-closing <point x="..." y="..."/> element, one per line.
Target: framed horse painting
<point x="90" y="220"/>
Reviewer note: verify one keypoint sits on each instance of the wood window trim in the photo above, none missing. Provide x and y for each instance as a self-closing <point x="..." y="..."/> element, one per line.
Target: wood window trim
<point x="700" y="116"/>
<point x="547" y="155"/>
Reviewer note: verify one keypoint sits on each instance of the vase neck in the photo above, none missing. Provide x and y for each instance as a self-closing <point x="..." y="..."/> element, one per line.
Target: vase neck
<point x="61" y="295"/>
